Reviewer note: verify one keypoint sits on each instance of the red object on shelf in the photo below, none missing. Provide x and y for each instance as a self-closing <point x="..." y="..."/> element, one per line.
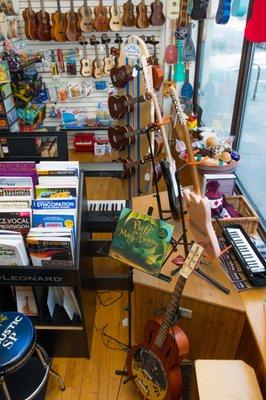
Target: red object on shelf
<point x="84" y="142"/>
<point x="256" y="26"/>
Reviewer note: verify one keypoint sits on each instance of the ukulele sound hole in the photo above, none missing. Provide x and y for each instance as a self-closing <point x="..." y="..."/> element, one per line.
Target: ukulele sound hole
<point x="151" y="366"/>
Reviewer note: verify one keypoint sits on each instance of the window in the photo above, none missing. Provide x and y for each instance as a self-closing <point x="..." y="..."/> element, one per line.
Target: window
<point x="252" y="144"/>
<point x="221" y="53"/>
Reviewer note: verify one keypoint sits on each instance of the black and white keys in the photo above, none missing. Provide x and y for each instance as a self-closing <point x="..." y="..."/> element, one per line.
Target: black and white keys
<point x="246" y="253"/>
<point x="106" y="205"/>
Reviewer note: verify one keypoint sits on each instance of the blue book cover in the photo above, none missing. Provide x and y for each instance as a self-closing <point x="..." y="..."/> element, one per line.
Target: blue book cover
<point x="55" y="221"/>
<point x="57" y="204"/>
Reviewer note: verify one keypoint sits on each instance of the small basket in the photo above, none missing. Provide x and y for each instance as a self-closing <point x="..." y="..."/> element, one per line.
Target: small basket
<point x="249" y="219"/>
<point x="217" y="169"/>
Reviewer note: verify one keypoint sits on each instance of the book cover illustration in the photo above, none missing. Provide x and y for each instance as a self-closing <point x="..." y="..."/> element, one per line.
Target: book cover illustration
<point x="50" y="252"/>
<point x="26" y="303"/>
<point x="16" y="220"/>
<point x="141" y="241"/>
<point x="55" y="192"/>
<point x="55" y="221"/>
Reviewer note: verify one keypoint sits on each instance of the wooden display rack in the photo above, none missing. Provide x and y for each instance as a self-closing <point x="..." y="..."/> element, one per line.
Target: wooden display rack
<point x="61" y="339"/>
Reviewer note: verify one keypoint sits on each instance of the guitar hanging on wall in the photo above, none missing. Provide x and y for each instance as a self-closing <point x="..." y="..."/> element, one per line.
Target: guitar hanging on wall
<point x="101" y="22"/>
<point x="199" y="208"/>
<point x="115" y="20"/>
<point x="58" y="24"/>
<point x="44" y="27"/>
<point x="157" y="17"/>
<point x="128" y="18"/>
<point x="154" y="365"/>
<point x="97" y="72"/>
<point x="30" y="23"/>
<point x="142" y="19"/>
<point x="85" y="18"/>
<point x="85" y="65"/>
<point x="72" y="31"/>
<point x="108" y="61"/>
<point x="119" y="106"/>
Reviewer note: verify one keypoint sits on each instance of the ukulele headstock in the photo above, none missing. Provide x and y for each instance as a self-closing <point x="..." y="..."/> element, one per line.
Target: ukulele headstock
<point x="153" y="40"/>
<point x="118" y="39"/>
<point x="93" y="40"/>
<point x="191" y="260"/>
<point x="105" y="39"/>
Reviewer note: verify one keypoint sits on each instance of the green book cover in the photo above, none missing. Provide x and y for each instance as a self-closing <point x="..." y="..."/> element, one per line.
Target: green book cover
<point x="141" y="241"/>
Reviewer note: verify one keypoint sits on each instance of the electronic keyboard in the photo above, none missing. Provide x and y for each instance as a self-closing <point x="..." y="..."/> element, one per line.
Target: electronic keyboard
<point x="103" y="169"/>
<point x="104" y="214"/>
<point x="249" y="258"/>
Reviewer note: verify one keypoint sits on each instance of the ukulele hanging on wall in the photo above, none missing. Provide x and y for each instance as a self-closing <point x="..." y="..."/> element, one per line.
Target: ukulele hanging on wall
<point x="115" y="20"/>
<point x="108" y="61"/>
<point x="157" y="17"/>
<point x="97" y="72"/>
<point x="128" y="14"/>
<point x="44" y="27"/>
<point x="85" y="65"/>
<point x="85" y="18"/>
<point x="30" y="23"/>
<point x="58" y="24"/>
<point x="101" y="22"/>
<point x="72" y="31"/>
<point x="142" y="19"/>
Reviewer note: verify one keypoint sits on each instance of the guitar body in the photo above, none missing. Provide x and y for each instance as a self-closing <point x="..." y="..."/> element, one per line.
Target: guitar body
<point x="85" y="23"/>
<point x="173" y="7"/>
<point x="85" y="68"/>
<point x="117" y="137"/>
<point x="30" y="24"/>
<point x="115" y="20"/>
<point x="117" y="107"/>
<point x="142" y="20"/>
<point x="97" y="72"/>
<point x="71" y="26"/>
<point x="107" y="65"/>
<point x="58" y="26"/>
<point x="157" y="17"/>
<point x="157" y="76"/>
<point x="120" y="76"/>
<point x="44" y="27"/>
<point x="170" y="55"/>
<point x="200" y="222"/>
<point x="157" y="371"/>
<point x="9" y="7"/>
<point x="128" y="15"/>
<point x="101" y="23"/>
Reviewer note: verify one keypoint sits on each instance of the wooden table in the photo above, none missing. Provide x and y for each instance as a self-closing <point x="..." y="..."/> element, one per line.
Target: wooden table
<point x="220" y="322"/>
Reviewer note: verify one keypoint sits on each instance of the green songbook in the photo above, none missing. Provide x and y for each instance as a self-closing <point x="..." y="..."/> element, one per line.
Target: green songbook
<point x="141" y="241"/>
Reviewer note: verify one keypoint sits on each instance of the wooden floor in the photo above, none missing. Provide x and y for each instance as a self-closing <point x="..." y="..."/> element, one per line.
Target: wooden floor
<point x="95" y="379"/>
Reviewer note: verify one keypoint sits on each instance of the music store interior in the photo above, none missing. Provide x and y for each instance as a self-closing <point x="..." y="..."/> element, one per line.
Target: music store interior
<point x="132" y="199"/>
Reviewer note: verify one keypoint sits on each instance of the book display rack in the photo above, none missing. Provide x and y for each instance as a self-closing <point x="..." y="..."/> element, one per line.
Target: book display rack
<point x="59" y="335"/>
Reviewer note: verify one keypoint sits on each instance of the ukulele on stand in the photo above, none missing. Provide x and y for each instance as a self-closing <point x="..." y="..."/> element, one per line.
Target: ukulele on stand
<point x="108" y="62"/>
<point x="119" y="106"/>
<point x="120" y="75"/>
<point x="85" y="18"/>
<point x="30" y="22"/>
<point x="101" y="22"/>
<point x="44" y="27"/>
<point x="128" y="18"/>
<point x="130" y="165"/>
<point x="85" y="65"/>
<point x="115" y="20"/>
<point x="199" y="208"/>
<point x="157" y="17"/>
<point x="97" y="72"/>
<point x="123" y="135"/>
<point x="58" y="24"/>
<point x="154" y="365"/>
<point x="142" y="19"/>
<point x="72" y="32"/>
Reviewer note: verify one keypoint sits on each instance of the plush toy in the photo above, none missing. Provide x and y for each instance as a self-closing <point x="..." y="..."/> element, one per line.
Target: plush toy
<point x="220" y="208"/>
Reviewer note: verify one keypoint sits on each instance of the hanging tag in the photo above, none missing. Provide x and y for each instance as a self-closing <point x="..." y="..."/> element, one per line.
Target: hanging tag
<point x="147" y="177"/>
<point x="135" y="72"/>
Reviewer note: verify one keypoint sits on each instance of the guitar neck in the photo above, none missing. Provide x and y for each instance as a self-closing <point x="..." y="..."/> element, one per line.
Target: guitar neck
<point x="96" y="55"/>
<point x="85" y="54"/>
<point x="135" y="100"/>
<point x="107" y="50"/>
<point x="139" y="131"/>
<point x="171" y="311"/>
<point x="42" y="8"/>
<point x="29" y="5"/>
<point x="58" y="6"/>
<point x="133" y="164"/>
<point x="115" y="6"/>
<point x="182" y="120"/>
<point x="72" y="6"/>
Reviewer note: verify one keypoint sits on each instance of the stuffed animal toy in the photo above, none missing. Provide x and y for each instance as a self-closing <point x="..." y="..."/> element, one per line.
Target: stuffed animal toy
<point x="220" y="208"/>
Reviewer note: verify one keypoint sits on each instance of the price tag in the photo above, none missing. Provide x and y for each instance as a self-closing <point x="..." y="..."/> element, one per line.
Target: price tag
<point x="147" y="177"/>
<point x="135" y="72"/>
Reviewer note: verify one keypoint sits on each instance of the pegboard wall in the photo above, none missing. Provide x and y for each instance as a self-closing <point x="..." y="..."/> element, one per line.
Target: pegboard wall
<point x="95" y="97"/>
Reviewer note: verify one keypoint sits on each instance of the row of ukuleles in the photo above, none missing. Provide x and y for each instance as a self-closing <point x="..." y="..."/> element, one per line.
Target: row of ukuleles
<point x="68" y="26"/>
